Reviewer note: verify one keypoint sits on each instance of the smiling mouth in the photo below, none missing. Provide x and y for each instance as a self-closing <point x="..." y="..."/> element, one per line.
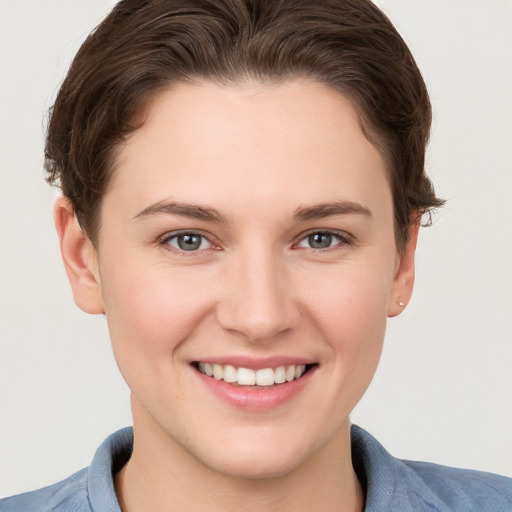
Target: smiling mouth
<point x="263" y="378"/>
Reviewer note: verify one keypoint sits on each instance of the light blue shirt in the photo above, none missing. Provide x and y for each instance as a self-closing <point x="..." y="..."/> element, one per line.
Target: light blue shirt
<point x="392" y="485"/>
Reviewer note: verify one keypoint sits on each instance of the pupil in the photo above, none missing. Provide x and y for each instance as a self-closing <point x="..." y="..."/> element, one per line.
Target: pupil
<point x="189" y="242"/>
<point x="320" y="240"/>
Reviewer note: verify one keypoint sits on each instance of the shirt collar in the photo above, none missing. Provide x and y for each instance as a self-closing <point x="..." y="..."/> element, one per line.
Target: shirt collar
<point x="109" y="458"/>
<point x="389" y="484"/>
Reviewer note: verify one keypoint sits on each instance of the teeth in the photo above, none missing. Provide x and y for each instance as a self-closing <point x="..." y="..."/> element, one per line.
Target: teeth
<point x="299" y="370"/>
<point x="230" y="373"/>
<point x="218" y="372"/>
<point x="290" y="373"/>
<point x="206" y="368"/>
<point x="280" y="375"/>
<point x="265" y="377"/>
<point x="248" y="377"/>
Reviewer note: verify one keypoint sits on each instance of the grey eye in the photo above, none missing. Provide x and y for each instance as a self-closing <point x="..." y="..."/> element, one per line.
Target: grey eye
<point x="189" y="242"/>
<point x="320" y="240"/>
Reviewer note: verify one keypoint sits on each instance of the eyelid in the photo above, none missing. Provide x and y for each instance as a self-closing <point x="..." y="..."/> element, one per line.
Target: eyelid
<point x="346" y="238"/>
<point x="164" y="240"/>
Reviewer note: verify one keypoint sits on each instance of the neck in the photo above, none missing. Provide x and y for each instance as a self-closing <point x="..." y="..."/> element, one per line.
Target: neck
<point x="162" y="476"/>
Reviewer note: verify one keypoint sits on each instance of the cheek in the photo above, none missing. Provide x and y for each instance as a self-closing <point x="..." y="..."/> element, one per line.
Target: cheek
<point x="351" y="314"/>
<point x="352" y="299"/>
<point x="150" y="312"/>
<point x="355" y="325"/>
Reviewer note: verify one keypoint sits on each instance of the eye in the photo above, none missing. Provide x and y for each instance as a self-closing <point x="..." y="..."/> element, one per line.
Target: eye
<point x="322" y="240"/>
<point x="188" y="241"/>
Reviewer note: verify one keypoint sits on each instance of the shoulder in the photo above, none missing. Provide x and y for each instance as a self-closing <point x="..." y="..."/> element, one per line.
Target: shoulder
<point x="91" y="489"/>
<point x="394" y="484"/>
<point x="465" y="489"/>
<point x="70" y="494"/>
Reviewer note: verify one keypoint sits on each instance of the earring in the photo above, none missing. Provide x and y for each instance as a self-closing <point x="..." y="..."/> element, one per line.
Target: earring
<point x="401" y="303"/>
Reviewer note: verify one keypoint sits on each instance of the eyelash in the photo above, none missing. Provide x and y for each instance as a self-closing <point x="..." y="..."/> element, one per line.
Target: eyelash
<point x="343" y="240"/>
<point x="165" y="242"/>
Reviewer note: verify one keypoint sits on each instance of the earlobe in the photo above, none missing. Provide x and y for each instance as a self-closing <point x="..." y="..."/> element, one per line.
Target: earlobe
<point x="403" y="282"/>
<point x="79" y="257"/>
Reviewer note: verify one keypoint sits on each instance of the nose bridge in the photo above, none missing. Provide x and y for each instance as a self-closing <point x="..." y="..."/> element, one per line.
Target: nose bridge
<point x="260" y="302"/>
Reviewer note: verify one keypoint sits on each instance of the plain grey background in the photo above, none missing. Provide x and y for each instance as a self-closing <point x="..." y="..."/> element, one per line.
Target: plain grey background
<point x="443" y="391"/>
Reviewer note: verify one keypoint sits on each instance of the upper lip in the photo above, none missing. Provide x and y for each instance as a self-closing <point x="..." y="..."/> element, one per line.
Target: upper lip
<point x="256" y="363"/>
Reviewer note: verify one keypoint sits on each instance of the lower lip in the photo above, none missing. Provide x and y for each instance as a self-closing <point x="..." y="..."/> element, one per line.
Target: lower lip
<point x="254" y="399"/>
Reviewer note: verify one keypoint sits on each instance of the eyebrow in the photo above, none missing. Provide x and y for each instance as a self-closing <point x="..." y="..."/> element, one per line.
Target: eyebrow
<point x="207" y="214"/>
<point x="323" y="210"/>
<point x="191" y="211"/>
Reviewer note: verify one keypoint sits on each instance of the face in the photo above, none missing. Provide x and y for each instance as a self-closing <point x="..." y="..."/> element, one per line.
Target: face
<point x="248" y="231"/>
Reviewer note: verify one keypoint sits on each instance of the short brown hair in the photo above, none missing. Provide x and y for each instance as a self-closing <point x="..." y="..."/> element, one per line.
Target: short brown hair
<point x="145" y="46"/>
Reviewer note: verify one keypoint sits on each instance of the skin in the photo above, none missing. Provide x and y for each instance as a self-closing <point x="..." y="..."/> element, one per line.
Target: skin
<point x="257" y="155"/>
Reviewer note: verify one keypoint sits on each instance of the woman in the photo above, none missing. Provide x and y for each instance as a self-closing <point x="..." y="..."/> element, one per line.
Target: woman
<point x="243" y="185"/>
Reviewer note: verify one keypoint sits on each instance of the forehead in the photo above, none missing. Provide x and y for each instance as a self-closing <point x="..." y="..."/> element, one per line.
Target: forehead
<point x="297" y="141"/>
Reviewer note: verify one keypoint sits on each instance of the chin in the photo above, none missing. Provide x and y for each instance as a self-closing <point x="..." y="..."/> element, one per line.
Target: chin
<point x="249" y="460"/>
<point x="255" y="468"/>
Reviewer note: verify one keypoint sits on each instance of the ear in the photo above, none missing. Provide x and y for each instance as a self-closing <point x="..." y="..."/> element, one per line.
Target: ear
<point x="403" y="282"/>
<point x="79" y="258"/>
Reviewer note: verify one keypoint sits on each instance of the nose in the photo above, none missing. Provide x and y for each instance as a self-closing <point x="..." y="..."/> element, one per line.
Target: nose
<point x="258" y="303"/>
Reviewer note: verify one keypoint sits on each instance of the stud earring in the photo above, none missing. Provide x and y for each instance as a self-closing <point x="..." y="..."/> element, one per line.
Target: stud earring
<point x="401" y="303"/>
